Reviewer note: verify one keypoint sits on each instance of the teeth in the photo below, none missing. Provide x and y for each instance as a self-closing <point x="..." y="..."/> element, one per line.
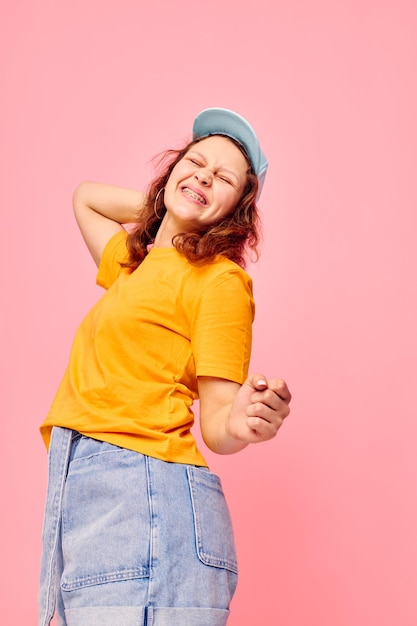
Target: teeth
<point x="194" y="195"/>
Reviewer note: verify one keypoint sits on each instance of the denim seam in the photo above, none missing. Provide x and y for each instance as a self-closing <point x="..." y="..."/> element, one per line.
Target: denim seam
<point x="205" y="557"/>
<point x="109" y="577"/>
<point x="49" y="594"/>
<point x="151" y="528"/>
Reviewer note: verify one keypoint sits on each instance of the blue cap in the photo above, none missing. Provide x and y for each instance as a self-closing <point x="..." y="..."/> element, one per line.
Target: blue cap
<point x="224" y="122"/>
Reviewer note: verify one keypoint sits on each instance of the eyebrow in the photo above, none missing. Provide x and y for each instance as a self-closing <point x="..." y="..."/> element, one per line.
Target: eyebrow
<point x="222" y="169"/>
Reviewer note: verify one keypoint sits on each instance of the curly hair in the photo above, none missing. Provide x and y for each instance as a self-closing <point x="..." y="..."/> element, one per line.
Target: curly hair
<point x="230" y="237"/>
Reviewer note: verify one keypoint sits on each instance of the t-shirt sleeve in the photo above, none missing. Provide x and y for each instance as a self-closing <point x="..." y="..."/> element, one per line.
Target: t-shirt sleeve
<point x="221" y="329"/>
<point x="114" y="253"/>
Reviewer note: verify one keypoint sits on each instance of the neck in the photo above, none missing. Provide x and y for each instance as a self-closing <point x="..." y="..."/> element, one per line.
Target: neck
<point x="165" y="234"/>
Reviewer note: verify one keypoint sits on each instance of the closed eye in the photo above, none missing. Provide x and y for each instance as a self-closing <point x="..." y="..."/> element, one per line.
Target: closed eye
<point x="194" y="162"/>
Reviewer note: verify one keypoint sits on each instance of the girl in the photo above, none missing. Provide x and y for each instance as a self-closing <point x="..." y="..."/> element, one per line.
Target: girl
<point x="137" y="531"/>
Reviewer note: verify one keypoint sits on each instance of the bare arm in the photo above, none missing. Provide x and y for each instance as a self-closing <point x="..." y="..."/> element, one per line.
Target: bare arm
<point x="100" y="211"/>
<point x="233" y="415"/>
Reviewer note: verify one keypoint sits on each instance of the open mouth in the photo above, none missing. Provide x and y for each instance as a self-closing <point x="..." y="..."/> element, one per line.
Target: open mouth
<point x="194" y="195"/>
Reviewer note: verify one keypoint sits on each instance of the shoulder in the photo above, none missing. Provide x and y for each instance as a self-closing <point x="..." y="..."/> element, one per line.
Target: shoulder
<point x="221" y="269"/>
<point x="115" y="252"/>
<point x="219" y="287"/>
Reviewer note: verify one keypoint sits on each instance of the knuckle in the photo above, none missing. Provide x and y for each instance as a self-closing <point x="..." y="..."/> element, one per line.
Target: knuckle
<point x="259" y="407"/>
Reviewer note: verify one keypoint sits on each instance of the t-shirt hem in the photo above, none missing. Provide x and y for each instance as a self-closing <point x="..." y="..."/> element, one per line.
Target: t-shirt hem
<point x="174" y="454"/>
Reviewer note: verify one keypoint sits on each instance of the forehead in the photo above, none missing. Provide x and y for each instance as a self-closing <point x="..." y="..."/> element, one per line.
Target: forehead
<point x="223" y="149"/>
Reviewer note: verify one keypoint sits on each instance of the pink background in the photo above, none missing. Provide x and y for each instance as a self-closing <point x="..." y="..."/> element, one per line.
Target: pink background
<point x="326" y="515"/>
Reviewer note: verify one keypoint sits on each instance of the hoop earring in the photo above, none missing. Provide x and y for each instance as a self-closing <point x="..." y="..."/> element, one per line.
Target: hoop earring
<point x="155" y="210"/>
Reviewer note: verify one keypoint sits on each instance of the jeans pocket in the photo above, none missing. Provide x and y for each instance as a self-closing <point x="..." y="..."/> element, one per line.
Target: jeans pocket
<point x="105" y="519"/>
<point x="212" y="522"/>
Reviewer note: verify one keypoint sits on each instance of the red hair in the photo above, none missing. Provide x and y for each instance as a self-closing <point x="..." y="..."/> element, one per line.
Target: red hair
<point x="229" y="237"/>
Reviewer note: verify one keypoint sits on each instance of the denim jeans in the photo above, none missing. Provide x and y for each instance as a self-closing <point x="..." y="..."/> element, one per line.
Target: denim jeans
<point x="129" y="540"/>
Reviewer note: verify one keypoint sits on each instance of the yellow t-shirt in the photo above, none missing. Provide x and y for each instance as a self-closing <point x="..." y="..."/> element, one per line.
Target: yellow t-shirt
<point x="132" y="374"/>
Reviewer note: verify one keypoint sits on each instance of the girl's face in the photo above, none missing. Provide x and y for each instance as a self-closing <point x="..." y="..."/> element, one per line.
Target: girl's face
<point x="206" y="184"/>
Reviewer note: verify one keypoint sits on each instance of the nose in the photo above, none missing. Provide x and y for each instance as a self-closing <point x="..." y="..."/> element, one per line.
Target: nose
<point x="204" y="176"/>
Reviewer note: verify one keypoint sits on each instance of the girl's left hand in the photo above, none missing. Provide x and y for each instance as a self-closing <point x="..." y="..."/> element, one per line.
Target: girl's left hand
<point x="259" y="409"/>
